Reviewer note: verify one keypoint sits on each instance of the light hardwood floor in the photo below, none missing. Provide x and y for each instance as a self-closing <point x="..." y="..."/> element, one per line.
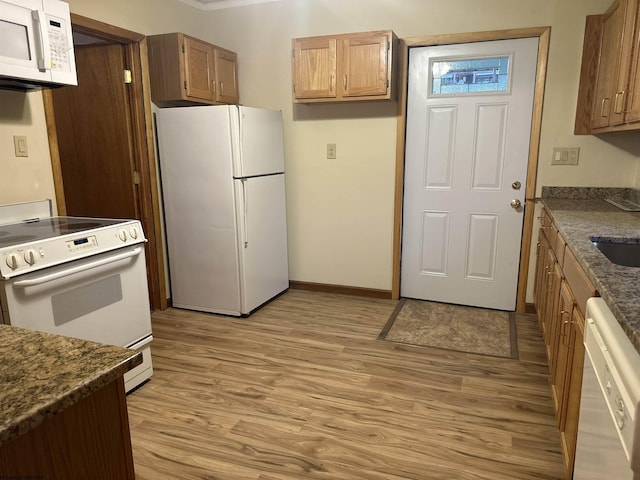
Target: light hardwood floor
<point x="302" y="389"/>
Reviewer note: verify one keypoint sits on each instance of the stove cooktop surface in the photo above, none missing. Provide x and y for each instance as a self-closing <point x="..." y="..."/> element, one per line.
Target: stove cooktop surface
<point x="15" y="234"/>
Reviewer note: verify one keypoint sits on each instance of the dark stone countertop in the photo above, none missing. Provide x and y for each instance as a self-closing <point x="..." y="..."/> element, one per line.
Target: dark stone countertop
<point x="578" y="219"/>
<point x="42" y="374"/>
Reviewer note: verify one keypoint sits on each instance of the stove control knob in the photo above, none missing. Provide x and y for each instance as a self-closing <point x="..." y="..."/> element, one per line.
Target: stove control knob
<point x="13" y="260"/>
<point x="133" y="232"/>
<point x="122" y="234"/>
<point x="31" y="256"/>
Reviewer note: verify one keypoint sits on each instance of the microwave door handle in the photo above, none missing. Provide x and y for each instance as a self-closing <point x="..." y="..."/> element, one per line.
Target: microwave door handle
<point x="80" y="268"/>
<point x="44" y="59"/>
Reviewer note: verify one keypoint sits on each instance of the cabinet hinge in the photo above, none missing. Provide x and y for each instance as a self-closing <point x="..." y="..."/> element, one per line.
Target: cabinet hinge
<point x="294" y="88"/>
<point x="183" y="49"/>
<point x="127" y="77"/>
<point x="387" y="83"/>
<point x="185" y="84"/>
<point x="293" y="53"/>
<point x="136" y="178"/>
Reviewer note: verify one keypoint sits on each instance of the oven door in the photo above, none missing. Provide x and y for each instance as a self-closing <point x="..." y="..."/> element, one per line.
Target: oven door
<point x="103" y="298"/>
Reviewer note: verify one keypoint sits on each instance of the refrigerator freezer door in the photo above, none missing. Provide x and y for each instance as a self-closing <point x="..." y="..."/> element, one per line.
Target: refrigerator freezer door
<point x="262" y="222"/>
<point x="199" y="204"/>
<point x="258" y="141"/>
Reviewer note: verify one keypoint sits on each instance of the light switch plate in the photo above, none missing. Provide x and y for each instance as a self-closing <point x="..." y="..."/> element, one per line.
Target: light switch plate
<point x="20" y="146"/>
<point x="331" y="150"/>
<point x="565" y="156"/>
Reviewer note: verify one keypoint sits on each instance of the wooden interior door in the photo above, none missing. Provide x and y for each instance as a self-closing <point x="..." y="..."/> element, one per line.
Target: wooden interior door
<point x="94" y="137"/>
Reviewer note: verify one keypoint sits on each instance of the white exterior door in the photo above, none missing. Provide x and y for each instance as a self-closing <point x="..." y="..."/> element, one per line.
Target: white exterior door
<point x="468" y="128"/>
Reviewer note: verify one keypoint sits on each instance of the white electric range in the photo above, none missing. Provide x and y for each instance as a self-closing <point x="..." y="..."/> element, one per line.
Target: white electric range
<point x="76" y="276"/>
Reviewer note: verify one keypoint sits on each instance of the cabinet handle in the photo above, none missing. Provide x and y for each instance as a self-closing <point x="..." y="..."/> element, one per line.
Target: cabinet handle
<point x="564" y="330"/>
<point x="620" y="101"/>
<point x="213" y="85"/>
<point x="331" y="82"/>
<point x="344" y="82"/>
<point x="221" y="87"/>
<point x="602" y="107"/>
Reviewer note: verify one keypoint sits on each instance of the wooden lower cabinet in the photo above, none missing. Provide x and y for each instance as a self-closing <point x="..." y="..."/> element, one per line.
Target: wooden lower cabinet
<point x="561" y="289"/>
<point x="88" y="440"/>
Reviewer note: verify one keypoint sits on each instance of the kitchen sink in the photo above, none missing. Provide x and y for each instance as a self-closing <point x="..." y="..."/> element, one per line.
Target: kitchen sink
<point x="621" y="251"/>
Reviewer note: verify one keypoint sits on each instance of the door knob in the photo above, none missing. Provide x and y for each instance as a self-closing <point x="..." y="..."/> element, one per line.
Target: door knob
<point x="515" y="203"/>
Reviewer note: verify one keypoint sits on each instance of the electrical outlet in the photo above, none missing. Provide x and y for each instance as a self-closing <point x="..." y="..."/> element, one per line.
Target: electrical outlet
<point x="565" y="156"/>
<point x="331" y="150"/>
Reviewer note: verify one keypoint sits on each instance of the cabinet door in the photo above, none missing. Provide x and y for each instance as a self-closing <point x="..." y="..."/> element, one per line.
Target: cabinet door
<point x="573" y="389"/>
<point x="633" y="93"/>
<point x="556" y="307"/>
<point x="562" y="364"/>
<point x="609" y="60"/>
<point x="226" y="67"/>
<point x="621" y="86"/>
<point x="364" y="65"/>
<point x="539" y="292"/>
<point x="314" y="68"/>
<point x="199" y="69"/>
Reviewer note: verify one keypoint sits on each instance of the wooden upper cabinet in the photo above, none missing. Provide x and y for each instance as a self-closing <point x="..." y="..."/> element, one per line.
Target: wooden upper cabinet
<point x="344" y="68"/>
<point x="609" y="94"/>
<point x="184" y="70"/>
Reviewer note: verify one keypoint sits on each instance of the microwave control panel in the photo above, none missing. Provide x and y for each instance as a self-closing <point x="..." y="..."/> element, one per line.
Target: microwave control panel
<point x="58" y="44"/>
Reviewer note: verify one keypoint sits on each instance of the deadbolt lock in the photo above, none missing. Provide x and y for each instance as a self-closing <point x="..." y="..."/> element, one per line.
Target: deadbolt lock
<point x="516" y="185"/>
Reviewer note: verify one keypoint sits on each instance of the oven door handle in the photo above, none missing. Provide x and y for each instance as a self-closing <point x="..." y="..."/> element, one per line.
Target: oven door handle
<point x="80" y="268"/>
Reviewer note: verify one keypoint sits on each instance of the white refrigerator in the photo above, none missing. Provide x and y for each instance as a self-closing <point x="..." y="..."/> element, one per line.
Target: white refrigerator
<point x="222" y="179"/>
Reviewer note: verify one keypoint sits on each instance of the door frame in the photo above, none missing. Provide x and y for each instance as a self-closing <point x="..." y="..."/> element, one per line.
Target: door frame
<point x="135" y="51"/>
<point x="543" y="34"/>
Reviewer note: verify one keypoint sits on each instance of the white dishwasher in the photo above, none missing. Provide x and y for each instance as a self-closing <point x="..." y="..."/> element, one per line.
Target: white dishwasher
<point x="607" y="446"/>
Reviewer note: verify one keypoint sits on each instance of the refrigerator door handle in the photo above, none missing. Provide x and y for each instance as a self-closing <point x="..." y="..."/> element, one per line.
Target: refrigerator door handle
<point x="245" y="211"/>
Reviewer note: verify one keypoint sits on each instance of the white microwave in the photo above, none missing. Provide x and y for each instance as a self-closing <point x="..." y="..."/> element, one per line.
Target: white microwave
<point x="36" y="44"/>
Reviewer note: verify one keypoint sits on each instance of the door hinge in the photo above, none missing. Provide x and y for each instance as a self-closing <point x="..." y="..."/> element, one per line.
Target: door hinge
<point x="136" y="178"/>
<point x="127" y="77"/>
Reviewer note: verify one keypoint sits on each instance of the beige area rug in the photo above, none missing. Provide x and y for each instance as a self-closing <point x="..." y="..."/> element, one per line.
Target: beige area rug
<point x="453" y="327"/>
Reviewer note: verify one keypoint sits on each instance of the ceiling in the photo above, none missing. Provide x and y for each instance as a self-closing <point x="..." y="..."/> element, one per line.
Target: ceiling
<point x="218" y="4"/>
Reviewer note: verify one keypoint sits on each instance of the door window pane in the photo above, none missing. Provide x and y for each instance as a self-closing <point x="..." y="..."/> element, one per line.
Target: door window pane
<point x="470" y="75"/>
